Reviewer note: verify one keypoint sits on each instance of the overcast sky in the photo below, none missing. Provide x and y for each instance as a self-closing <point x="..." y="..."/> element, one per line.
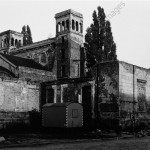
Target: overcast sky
<point x="130" y="21"/>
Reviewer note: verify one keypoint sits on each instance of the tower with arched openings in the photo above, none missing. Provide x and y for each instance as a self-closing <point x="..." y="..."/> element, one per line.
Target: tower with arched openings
<point x="10" y="40"/>
<point x="69" y="41"/>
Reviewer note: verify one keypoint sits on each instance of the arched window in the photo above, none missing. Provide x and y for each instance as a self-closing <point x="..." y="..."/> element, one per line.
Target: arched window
<point x="36" y="58"/>
<point x="63" y="25"/>
<point x="12" y="41"/>
<point x="19" y="42"/>
<point x="16" y="42"/>
<point x="5" y="42"/>
<point x="58" y="27"/>
<point x="73" y="26"/>
<point x="2" y="43"/>
<point x="67" y="24"/>
<point x="43" y="58"/>
<point x="81" y="28"/>
<point x="77" y="26"/>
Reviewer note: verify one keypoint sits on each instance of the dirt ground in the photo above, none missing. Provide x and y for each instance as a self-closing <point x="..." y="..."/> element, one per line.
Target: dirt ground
<point x="38" y="141"/>
<point x="93" y="144"/>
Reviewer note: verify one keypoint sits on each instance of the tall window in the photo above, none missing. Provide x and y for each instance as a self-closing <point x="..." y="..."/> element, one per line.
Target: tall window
<point x="49" y="95"/>
<point x="63" y="39"/>
<point x="73" y="26"/>
<point x="77" y="26"/>
<point x="77" y="70"/>
<point x="12" y="41"/>
<point x="16" y="42"/>
<point x="81" y="28"/>
<point x="67" y="24"/>
<point x="62" y="53"/>
<point x="2" y="44"/>
<point x="63" y="71"/>
<point x="58" y="27"/>
<point x="63" y="25"/>
<point x="19" y="42"/>
<point x="5" y="42"/>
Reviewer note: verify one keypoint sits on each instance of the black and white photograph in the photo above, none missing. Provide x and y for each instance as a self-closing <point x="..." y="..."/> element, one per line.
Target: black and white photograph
<point x="75" y="75"/>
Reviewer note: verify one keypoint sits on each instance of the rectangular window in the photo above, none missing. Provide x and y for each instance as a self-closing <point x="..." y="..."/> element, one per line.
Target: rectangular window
<point x="62" y="53"/>
<point x="74" y="113"/>
<point x="77" y="70"/>
<point x="63" y="39"/>
<point x="63" y="71"/>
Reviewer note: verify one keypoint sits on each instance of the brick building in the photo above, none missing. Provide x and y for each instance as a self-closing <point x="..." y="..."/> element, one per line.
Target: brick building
<point x="55" y="66"/>
<point x="53" y="71"/>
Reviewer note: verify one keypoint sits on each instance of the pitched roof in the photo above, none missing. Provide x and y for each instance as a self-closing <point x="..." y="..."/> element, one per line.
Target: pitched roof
<point x="18" y="61"/>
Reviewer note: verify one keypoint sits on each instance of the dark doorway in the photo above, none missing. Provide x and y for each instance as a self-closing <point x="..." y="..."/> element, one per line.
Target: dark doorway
<point x="87" y="108"/>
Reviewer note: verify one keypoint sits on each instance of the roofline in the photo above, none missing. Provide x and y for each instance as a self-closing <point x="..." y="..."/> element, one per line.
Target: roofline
<point x="123" y="62"/>
<point x="135" y="65"/>
<point x="8" y="61"/>
<point x="10" y="31"/>
<point x="69" y="11"/>
<point x="22" y="48"/>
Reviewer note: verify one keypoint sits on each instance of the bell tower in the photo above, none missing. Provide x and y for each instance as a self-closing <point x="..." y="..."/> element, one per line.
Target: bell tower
<point x="69" y="40"/>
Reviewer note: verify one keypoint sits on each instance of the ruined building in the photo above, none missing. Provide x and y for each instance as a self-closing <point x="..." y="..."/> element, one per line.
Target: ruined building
<point x="54" y="67"/>
<point x="53" y="71"/>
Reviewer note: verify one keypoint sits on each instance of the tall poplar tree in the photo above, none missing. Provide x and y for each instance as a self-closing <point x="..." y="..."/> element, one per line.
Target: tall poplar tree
<point x="99" y="44"/>
<point x="27" y="36"/>
<point x="24" y="35"/>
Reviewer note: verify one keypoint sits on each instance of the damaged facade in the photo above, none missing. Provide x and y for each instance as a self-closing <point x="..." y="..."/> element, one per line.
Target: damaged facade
<point x="53" y="71"/>
<point x="124" y="92"/>
<point x="59" y="70"/>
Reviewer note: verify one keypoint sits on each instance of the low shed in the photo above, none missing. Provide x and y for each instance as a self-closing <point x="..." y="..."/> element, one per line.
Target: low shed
<point x="62" y="115"/>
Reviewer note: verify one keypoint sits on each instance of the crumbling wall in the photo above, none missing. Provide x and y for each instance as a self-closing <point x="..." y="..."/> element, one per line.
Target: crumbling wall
<point x="108" y="87"/>
<point x="17" y="99"/>
<point x="126" y="88"/>
<point x="35" y="75"/>
<point x="134" y="85"/>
